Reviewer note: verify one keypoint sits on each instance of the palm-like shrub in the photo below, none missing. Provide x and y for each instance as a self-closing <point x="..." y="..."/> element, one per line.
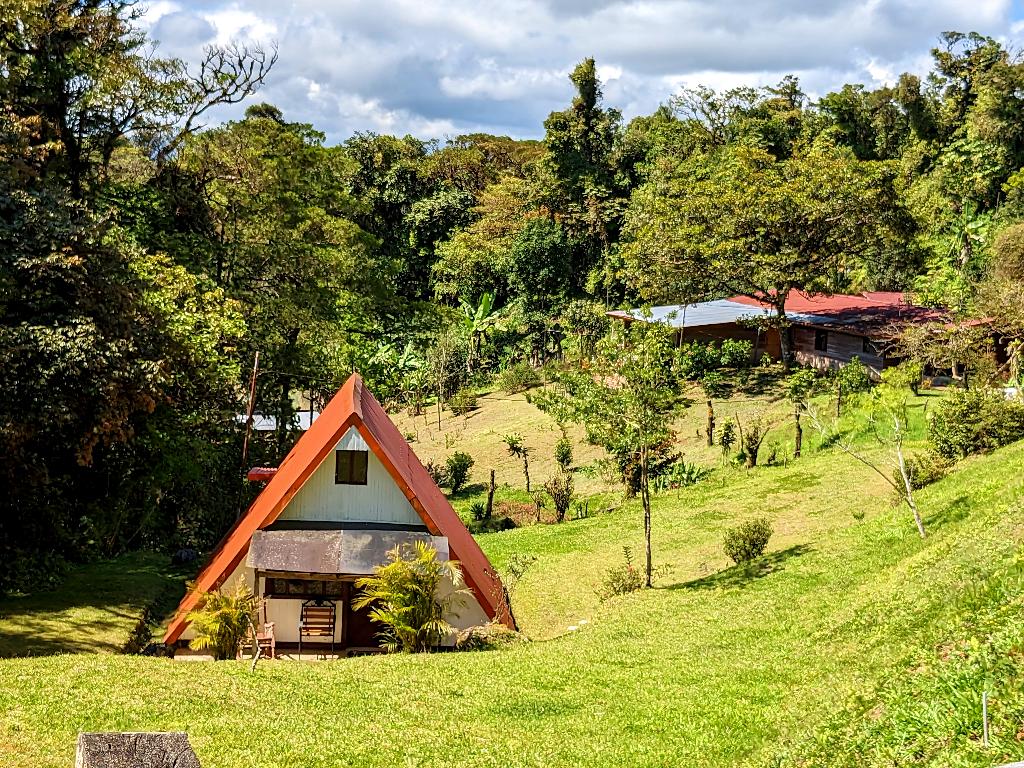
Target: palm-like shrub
<point x="221" y="621"/>
<point x="404" y="597"/>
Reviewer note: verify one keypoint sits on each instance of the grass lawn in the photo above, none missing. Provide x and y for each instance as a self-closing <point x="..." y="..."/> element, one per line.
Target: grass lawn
<point x="716" y="666"/>
<point x="95" y="610"/>
<point x="480" y="434"/>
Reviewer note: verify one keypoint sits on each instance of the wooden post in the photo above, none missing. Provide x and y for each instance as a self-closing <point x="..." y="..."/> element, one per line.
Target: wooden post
<point x="711" y="424"/>
<point x="490" y="497"/>
<point x="799" y="432"/>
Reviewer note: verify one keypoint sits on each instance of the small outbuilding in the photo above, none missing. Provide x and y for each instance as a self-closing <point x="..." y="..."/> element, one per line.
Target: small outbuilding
<point x="348" y="492"/>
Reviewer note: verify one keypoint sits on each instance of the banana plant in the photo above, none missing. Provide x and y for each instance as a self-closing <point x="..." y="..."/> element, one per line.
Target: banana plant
<point x="478" y="320"/>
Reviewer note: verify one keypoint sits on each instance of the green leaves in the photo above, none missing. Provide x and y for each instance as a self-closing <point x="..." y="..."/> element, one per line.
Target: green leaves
<point x="410" y="597"/>
<point x="740" y="221"/>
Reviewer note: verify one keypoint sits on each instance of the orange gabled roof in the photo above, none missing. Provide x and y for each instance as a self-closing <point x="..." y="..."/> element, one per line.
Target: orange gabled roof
<point x="352" y="406"/>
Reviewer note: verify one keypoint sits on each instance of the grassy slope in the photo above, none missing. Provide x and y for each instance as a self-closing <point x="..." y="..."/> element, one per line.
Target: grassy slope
<point x="716" y="667"/>
<point x="480" y="433"/>
<point x="95" y="609"/>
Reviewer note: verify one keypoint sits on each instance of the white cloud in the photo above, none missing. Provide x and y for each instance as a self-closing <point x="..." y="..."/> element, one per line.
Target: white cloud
<point x="438" y="67"/>
<point x="233" y="23"/>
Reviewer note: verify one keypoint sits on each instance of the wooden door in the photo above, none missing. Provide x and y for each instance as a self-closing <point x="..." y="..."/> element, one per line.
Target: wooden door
<point x="358" y="630"/>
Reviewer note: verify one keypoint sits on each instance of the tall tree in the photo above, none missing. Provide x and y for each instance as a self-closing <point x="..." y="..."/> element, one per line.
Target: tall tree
<point x="581" y="144"/>
<point x="82" y="71"/>
<point x="743" y="222"/>
<point x="287" y="247"/>
<point x="625" y="399"/>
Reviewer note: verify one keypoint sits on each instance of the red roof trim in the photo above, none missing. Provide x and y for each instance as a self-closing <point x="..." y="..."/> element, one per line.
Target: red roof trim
<point x="345" y="410"/>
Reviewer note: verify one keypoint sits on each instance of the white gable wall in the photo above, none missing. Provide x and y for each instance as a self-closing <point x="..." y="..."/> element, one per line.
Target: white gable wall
<point x="379" y="501"/>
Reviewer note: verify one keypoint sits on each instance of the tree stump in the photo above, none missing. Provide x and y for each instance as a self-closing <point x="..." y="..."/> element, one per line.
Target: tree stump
<point x="135" y="750"/>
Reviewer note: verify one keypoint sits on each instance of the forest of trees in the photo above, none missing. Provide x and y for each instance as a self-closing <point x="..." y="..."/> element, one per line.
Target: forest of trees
<point x="147" y="257"/>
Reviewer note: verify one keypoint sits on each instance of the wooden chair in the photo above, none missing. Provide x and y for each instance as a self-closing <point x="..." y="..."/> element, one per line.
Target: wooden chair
<point x="316" y="620"/>
<point x="258" y="640"/>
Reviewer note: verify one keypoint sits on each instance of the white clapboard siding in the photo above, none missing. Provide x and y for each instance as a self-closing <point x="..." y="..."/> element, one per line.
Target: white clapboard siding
<point x="379" y="501"/>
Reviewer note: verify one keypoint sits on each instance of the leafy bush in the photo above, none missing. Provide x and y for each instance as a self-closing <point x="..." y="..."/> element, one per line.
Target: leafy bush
<point x="560" y="489"/>
<point x="751" y="439"/>
<point x="492" y="524"/>
<point x="26" y="572"/>
<point x="222" y="620"/>
<point x="974" y="421"/>
<point x="587" y="322"/>
<point x="563" y="453"/>
<point x="922" y="469"/>
<point x="727" y="437"/>
<point x="907" y="374"/>
<point x="457" y="467"/>
<point x="437" y="473"/>
<point x="622" y="579"/>
<point x="518" y="377"/>
<point x="679" y="475"/>
<point x="735" y="353"/>
<point x="853" y="377"/>
<point x="486" y="637"/>
<point x="748" y="540"/>
<point x="478" y="510"/>
<point x="404" y="597"/>
<point x="463" y="401"/>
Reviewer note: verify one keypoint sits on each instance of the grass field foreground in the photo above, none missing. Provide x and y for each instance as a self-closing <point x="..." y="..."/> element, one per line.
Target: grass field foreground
<point x="717" y="666"/>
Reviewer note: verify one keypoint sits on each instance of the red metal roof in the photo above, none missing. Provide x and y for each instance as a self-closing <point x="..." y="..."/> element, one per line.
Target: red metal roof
<point x="822" y="303"/>
<point x="867" y="313"/>
<point x="352" y="406"/>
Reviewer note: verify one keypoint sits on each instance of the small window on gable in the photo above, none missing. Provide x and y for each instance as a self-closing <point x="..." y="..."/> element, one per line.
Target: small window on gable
<point x="821" y="341"/>
<point x="350" y="467"/>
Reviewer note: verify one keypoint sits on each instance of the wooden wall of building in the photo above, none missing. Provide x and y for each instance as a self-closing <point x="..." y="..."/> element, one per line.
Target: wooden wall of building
<point x="841" y="349"/>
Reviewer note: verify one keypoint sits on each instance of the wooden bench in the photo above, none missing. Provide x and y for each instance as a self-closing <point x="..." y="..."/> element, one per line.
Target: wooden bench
<point x="316" y="620"/>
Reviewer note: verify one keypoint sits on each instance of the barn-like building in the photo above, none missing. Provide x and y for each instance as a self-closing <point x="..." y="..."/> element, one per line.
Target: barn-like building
<point x="825" y="331"/>
<point x="350" y="490"/>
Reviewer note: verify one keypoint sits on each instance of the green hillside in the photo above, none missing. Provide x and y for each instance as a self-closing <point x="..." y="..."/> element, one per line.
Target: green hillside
<point x="850" y="631"/>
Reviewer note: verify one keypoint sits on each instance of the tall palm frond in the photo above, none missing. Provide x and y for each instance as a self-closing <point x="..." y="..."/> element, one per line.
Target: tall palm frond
<point x="405" y="597"/>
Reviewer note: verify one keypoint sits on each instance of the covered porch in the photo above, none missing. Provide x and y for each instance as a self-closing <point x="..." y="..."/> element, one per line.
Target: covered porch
<point x="306" y="581"/>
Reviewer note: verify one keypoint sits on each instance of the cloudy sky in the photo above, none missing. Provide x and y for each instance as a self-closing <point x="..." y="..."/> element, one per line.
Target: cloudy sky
<point x="436" y="68"/>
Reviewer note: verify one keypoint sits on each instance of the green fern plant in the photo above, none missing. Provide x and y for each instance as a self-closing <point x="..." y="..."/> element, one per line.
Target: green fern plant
<point x="404" y="597"/>
<point x="221" y="621"/>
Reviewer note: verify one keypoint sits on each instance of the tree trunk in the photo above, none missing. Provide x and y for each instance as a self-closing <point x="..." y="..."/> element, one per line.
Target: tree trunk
<point x="645" y="498"/>
<point x="909" y="491"/>
<point x="780" y="314"/>
<point x="439" y="408"/>
<point x="711" y="424"/>
<point x="799" y="433"/>
<point x="490" y="497"/>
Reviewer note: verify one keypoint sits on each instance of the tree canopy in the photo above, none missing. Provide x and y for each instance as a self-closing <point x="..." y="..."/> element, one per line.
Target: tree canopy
<point x="147" y="255"/>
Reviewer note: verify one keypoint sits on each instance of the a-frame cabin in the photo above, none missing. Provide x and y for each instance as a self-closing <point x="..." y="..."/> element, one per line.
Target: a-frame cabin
<point x="347" y="492"/>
